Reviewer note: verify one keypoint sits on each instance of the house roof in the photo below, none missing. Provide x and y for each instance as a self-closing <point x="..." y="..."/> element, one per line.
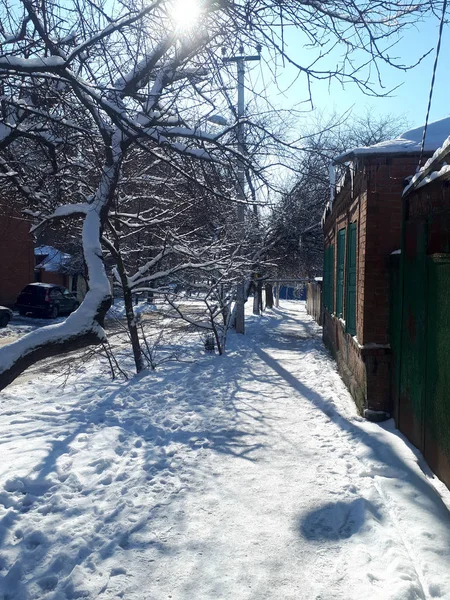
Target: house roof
<point x="53" y="260"/>
<point x="435" y="169"/>
<point x="408" y="142"/>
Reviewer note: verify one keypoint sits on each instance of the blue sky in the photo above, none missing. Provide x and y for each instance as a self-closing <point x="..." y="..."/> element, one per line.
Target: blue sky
<point x="409" y="100"/>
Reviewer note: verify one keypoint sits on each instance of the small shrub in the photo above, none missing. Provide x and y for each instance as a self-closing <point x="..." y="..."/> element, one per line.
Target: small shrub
<point x="209" y="343"/>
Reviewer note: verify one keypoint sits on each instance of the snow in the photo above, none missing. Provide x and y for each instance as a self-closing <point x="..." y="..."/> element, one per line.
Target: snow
<point x="71" y="209"/>
<point x="434" y="175"/>
<point x="409" y="141"/>
<point x="53" y="260"/>
<point x="117" y="310"/>
<point x="242" y="477"/>
<point x="332" y="177"/>
<point x="48" y="63"/>
<point x="20" y="326"/>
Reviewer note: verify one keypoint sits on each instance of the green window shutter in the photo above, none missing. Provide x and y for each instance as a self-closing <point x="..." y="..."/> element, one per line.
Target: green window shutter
<point x="331" y="277"/>
<point x="350" y="309"/>
<point x="328" y="277"/>
<point x="325" y="279"/>
<point x="340" y="272"/>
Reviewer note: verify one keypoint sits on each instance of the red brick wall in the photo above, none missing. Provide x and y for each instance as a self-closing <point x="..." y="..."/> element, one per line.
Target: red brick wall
<point x="56" y="278"/>
<point x="16" y="251"/>
<point x="376" y="205"/>
<point x="385" y="176"/>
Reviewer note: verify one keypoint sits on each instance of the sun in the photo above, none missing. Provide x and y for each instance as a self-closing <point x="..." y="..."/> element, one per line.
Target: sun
<point x="186" y="14"/>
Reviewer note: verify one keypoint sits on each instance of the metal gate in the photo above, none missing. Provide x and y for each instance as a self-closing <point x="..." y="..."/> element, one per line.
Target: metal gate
<point x="411" y="397"/>
<point x="437" y="408"/>
<point x="420" y="301"/>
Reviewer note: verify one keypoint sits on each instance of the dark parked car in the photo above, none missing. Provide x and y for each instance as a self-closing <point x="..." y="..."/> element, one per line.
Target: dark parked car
<point x="5" y="316"/>
<point x="46" y="299"/>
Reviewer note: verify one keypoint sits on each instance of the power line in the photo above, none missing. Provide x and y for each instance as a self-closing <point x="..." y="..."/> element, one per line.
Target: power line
<point x="438" y="49"/>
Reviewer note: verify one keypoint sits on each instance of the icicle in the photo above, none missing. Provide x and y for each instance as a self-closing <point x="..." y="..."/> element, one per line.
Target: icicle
<point x="332" y="175"/>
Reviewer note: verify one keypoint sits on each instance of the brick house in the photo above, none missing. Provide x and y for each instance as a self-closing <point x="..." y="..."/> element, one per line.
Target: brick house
<point x="16" y="249"/>
<point x="362" y="229"/>
<point x="58" y="267"/>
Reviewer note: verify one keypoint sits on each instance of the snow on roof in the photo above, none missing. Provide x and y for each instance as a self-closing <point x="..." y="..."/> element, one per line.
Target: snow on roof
<point x="53" y="260"/>
<point x="436" y="167"/>
<point x="409" y="141"/>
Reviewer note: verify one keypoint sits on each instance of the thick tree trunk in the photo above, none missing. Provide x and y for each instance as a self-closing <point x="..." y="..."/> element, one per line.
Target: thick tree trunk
<point x="257" y="298"/>
<point x="277" y="295"/>
<point x="269" y="295"/>
<point x="256" y="302"/>
<point x="84" y="327"/>
<point x="47" y="349"/>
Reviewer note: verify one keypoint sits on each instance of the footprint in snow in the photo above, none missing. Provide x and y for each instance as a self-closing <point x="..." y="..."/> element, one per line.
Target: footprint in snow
<point x="34" y="539"/>
<point x="49" y="583"/>
<point x="100" y="465"/>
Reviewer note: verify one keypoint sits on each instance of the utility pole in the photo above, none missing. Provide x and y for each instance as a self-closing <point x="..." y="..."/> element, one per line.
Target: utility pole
<point x="240" y="60"/>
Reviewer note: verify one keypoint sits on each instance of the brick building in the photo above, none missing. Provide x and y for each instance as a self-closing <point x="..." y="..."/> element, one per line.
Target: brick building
<point x="58" y="267"/>
<point x="362" y="228"/>
<point x="16" y="250"/>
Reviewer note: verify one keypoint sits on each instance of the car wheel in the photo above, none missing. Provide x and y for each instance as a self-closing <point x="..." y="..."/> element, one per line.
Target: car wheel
<point x="4" y="320"/>
<point x="54" y="313"/>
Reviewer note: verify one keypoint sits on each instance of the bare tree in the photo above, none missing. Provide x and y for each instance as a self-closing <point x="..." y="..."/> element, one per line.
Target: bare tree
<point x="83" y="84"/>
<point x="296" y="218"/>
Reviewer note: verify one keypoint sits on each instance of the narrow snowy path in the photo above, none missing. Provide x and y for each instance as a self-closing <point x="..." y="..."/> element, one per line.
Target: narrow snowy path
<point x="248" y="477"/>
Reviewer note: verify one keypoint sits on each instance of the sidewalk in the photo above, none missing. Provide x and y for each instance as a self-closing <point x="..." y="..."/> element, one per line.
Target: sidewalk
<point x="247" y="477"/>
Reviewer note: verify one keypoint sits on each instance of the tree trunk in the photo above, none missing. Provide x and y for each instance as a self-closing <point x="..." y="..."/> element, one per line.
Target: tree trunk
<point x="129" y="312"/>
<point x="257" y="298"/>
<point x="111" y="285"/>
<point x="277" y="295"/>
<point x="260" y="296"/>
<point x="82" y="328"/>
<point x="132" y="329"/>
<point x="256" y="303"/>
<point x="269" y="295"/>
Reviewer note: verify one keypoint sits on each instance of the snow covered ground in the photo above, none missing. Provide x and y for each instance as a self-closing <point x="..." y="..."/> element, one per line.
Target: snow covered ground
<point x="20" y="326"/>
<point x="244" y="477"/>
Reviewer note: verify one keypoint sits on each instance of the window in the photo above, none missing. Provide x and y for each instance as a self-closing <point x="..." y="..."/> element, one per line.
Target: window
<point x="340" y="272"/>
<point x="350" y="305"/>
<point x="55" y="294"/>
<point x="328" y="278"/>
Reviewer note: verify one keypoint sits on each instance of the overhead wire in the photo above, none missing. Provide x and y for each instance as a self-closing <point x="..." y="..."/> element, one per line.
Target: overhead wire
<point x="433" y="79"/>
